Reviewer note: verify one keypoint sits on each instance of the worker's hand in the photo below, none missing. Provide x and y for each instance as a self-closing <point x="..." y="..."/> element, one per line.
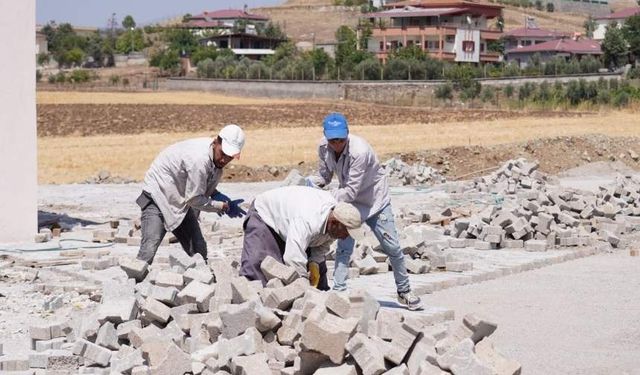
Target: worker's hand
<point x="308" y="182"/>
<point x="235" y="210"/>
<point x="218" y="196"/>
<point x="314" y="274"/>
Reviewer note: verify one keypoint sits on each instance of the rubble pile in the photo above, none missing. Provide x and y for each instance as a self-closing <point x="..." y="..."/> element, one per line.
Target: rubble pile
<point x="543" y="216"/>
<point x="181" y="315"/>
<point x="512" y="176"/>
<point x="417" y="174"/>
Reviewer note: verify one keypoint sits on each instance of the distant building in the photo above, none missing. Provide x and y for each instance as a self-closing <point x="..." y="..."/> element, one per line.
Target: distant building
<point x="620" y="17"/>
<point x="41" y="43"/>
<point x="566" y="47"/>
<point x="528" y="36"/>
<point x="237" y="30"/>
<point x="453" y="30"/>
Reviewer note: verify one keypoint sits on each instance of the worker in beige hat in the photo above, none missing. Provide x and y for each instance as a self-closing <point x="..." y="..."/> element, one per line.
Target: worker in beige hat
<point x="181" y="182"/>
<point x="295" y="225"/>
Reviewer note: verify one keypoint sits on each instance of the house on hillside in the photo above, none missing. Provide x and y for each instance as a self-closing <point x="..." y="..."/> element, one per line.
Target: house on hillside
<point x="529" y="36"/>
<point x="241" y="32"/>
<point x="452" y="30"/>
<point x="565" y="47"/>
<point x="620" y="17"/>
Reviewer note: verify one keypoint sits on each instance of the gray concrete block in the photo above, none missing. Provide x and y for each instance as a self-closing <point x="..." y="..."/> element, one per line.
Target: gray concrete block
<point x="202" y="275"/>
<point x="291" y="328"/>
<point x="489" y="356"/>
<point x="125" y="361"/>
<point x="459" y="266"/>
<point x="236" y="319"/>
<point x="198" y="293"/>
<point x="123" y="329"/>
<point x="282" y="298"/>
<point x="108" y="336"/>
<point x="272" y="269"/>
<point x="92" y="352"/>
<point x="338" y="303"/>
<point x="177" y="257"/>
<point x="164" y="294"/>
<point x="325" y="337"/>
<point x="156" y="311"/>
<point x="169" y="279"/>
<point x="344" y="369"/>
<point x="134" y="268"/>
<point x="242" y="290"/>
<point x="481" y="327"/>
<point x="462" y="360"/>
<point x="366" y="354"/>
<point x="249" y="365"/>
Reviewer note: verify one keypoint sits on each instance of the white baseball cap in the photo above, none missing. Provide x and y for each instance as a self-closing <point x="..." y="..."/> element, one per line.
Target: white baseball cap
<point x="232" y="140"/>
<point x="349" y="216"/>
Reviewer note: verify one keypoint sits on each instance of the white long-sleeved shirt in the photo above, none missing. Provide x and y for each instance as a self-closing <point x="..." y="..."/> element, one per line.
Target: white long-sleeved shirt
<point x="183" y="175"/>
<point x="298" y="214"/>
<point x="362" y="182"/>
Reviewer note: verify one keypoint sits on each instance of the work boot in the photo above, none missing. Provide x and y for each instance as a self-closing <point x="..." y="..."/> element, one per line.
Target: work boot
<point x="410" y="300"/>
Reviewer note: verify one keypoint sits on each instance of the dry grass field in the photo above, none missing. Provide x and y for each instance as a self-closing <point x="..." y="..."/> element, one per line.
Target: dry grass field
<point x="73" y="158"/>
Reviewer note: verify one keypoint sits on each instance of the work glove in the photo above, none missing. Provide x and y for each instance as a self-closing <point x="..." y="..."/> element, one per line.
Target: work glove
<point x="314" y="274"/>
<point x="308" y="182"/>
<point x="235" y="210"/>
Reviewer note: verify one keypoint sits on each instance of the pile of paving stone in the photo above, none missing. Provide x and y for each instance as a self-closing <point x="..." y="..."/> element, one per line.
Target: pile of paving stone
<point x="540" y="215"/>
<point x="181" y="315"/>
<point x="416" y="174"/>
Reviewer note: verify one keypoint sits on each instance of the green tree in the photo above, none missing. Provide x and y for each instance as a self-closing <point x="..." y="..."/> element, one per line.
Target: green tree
<point x="614" y="46"/>
<point x="319" y="59"/>
<point x="347" y="44"/>
<point x="590" y="26"/>
<point x="74" y="56"/>
<point x="182" y="41"/>
<point x="186" y="17"/>
<point x="410" y="52"/>
<point x="273" y="30"/>
<point x="204" y="53"/>
<point x="167" y="60"/>
<point x="550" y="7"/>
<point x="631" y="31"/>
<point x="539" y="5"/>
<point x="128" y="23"/>
<point x="369" y="69"/>
<point x="130" y="41"/>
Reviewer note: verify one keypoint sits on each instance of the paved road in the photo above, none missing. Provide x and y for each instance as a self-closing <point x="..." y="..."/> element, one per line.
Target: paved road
<point x="578" y="317"/>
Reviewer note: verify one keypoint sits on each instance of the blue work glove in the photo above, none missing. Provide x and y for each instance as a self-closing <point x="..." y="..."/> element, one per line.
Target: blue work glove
<point x="235" y="210"/>
<point x="218" y="196"/>
<point x="309" y="183"/>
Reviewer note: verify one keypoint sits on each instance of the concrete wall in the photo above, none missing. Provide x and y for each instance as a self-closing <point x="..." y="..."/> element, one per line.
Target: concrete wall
<point x="18" y="161"/>
<point x="417" y="93"/>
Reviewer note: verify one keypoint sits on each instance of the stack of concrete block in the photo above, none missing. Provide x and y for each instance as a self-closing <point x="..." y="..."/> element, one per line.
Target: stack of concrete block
<point x="417" y="174"/>
<point x="512" y="177"/>
<point x="184" y="316"/>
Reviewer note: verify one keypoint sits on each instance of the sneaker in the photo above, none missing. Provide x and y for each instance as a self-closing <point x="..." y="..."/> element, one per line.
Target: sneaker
<point x="410" y="300"/>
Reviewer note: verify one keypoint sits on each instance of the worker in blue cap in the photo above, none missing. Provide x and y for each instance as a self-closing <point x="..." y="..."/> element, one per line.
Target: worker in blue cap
<point x="363" y="183"/>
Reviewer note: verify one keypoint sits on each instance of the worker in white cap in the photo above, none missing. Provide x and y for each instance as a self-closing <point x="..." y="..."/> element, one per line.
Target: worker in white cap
<point x="295" y="225"/>
<point x="181" y="182"/>
<point x="363" y="183"/>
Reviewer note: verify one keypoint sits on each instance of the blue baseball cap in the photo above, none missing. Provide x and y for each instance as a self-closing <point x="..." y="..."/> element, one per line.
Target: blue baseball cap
<point x="335" y="126"/>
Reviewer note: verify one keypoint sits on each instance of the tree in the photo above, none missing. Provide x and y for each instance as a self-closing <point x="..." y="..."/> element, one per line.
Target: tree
<point x="539" y="5"/>
<point x="186" y="18"/>
<point x="347" y="44"/>
<point x="181" y="40"/>
<point x="128" y="23"/>
<point x="590" y="26"/>
<point x="614" y="46"/>
<point x="550" y="7"/>
<point x="130" y="41"/>
<point x="410" y="52"/>
<point x="273" y="30"/>
<point x="631" y="32"/>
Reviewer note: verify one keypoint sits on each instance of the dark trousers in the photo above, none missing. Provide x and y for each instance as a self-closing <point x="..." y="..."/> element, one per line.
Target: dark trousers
<point x="188" y="232"/>
<point x="261" y="241"/>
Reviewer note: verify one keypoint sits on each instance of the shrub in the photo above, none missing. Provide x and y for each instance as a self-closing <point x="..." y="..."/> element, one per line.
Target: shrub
<point x="369" y="69"/>
<point x="488" y="94"/>
<point x="444" y="91"/>
<point x="125" y="82"/>
<point x="526" y="91"/>
<point x="509" y="90"/>
<point x="51" y="78"/>
<point x="38" y="75"/>
<point x="206" y="68"/>
<point x="61" y="77"/>
<point x="79" y="76"/>
<point x="396" y="69"/>
<point x="471" y="91"/>
<point x="621" y="99"/>
<point x="550" y="7"/>
<point x="114" y="79"/>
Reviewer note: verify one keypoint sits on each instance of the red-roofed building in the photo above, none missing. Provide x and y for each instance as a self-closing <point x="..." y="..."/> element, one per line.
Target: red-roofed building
<point x="528" y="36"/>
<point x="453" y="30"/>
<point x="565" y="47"/>
<point x="619" y="17"/>
<point x="235" y="29"/>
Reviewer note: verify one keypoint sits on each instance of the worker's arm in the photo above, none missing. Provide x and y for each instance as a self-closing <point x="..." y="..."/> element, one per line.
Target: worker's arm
<point x="318" y="254"/>
<point x="324" y="175"/>
<point x="295" y="251"/>
<point x="194" y="192"/>
<point x="357" y="173"/>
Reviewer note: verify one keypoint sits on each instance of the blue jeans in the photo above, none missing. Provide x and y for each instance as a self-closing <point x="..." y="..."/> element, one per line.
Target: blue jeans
<point x="384" y="228"/>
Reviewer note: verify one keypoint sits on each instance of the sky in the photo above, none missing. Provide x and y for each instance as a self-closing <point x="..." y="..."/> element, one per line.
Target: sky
<point x="97" y="12"/>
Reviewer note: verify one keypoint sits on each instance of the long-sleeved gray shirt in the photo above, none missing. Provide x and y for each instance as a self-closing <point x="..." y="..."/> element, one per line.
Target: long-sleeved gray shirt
<point x="183" y="175"/>
<point x="362" y="182"/>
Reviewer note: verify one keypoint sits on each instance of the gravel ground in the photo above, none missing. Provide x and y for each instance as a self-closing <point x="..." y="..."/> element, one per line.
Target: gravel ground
<point x="579" y="317"/>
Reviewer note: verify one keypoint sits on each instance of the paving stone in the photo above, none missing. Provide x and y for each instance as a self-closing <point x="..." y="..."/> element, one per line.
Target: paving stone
<point x="250" y="365"/>
<point x="62" y="360"/>
<point x="338" y="303"/>
<point x="282" y="298"/>
<point x="177" y="257"/>
<point x="108" y="336"/>
<point x="156" y="311"/>
<point x="416" y="266"/>
<point x="366" y="265"/>
<point x="125" y="328"/>
<point x="174" y="361"/>
<point x="364" y="307"/>
<point x="134" y="268"/>
<point x="326" y="336"/>
<point x="248" y="343"/>
<point x="46" y="331"/>
<point x="125" y="362"/>
<point x="236" y="319"/>
<point x="92" y="352"/>
<point x="272" y="269"/>
<point x="117" y="310"/>
<point x="203" y="275"/>
<point x="459" y="266"/>
<point x="366" y="354"/>
<point x="344" y="369"/>
<point x="398" y="370"/>
<point x="424" y="350"/>
<point x="164" y="294"/>
<point x="481" y="327"/>
<point x="461" y="360"/>
<point x="291" y="328"/>
<point x="536" y="245"/>
<point x="168" y="278"/>
<point x="42" y="345"/>
<point x="490" y="357"/>
<point x="12" y="363"/>
<point x="198" y="293"/>
<point x="242" y="290"/>
<point x="141" y="370"/>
